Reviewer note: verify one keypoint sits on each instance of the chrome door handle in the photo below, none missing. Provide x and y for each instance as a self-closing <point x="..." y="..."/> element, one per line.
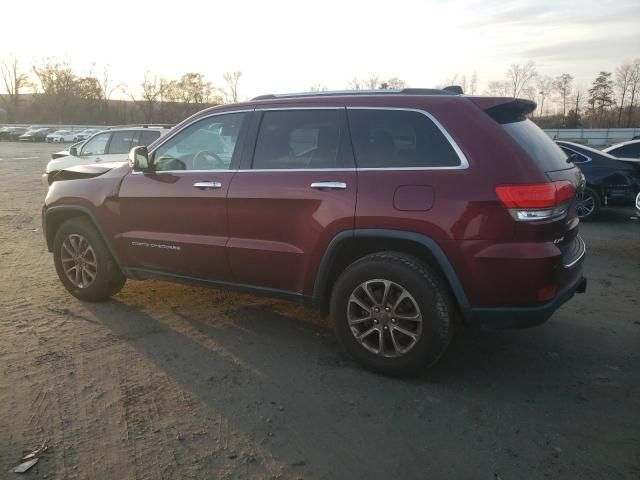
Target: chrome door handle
<point x="207" y="185"/>
<point x="329" y="185"/>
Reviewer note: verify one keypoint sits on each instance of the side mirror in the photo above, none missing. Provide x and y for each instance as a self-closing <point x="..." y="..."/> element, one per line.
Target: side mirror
<point x="73" y="151"/>
<point x="139" y="158"/>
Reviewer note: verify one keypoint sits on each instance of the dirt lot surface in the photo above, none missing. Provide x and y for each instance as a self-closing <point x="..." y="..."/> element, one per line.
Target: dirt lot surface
<point x="170" y="381"/>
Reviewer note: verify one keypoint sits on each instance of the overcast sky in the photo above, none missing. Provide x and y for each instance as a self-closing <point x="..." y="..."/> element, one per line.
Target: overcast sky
<point x="286" y="46"/>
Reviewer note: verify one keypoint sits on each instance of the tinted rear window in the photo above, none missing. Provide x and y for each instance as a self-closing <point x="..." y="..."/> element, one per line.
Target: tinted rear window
<point x="148" y="137"/>
<point x="398" y="139"/>
<point x="542" y="150"/>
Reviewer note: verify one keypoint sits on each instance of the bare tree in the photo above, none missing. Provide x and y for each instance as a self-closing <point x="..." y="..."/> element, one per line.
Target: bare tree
<point x="354" y="84"/>
<point x="497" y="88"/>
<point x="107" y="87"/>
<point x="622" y="82"/>
<point x="14" y="80"/>
<point x="544" y="89"/>
<point x="473" y="84"/>
<point x="452" y="80"/>
<point x="59" y="86"/>
<point x="562" y="86"/>
<point x="373" y="82"/>
<point x="395" y="83"/>
<point x="152" y="89"/>
<point x="519" y="76"/>
<point x="231" y="92"/>
<point x="634" y="89"/>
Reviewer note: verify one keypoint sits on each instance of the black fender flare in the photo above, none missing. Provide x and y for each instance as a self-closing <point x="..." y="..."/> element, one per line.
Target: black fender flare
<point x="48" y="211"/>
<point x="431" y="245"/>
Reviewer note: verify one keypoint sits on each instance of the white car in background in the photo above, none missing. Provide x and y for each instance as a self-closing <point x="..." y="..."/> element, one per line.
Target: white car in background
<point x="84" y="134"/>
<point x="107" y="146"/>
<point x="61" y="136"/>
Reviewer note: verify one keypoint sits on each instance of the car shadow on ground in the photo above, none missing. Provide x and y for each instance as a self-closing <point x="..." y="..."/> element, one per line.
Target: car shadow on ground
<point x="332" y="405"/>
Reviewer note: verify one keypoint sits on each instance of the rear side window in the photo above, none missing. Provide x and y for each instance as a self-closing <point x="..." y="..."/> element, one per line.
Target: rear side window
<point x="399" y="139"/>
<point x="541" y="149"/>
<point x="298" y="139"/>
<point x="631" y="150"/>
<point x="148" y="137"/>
<point x="575" y="157"/>
<point x="120" y="142"/>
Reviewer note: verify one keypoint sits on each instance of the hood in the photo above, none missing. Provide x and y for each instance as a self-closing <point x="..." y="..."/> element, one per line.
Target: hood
<point x="85" y="171"/>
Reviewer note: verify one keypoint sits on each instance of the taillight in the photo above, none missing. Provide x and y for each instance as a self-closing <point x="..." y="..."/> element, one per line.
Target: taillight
<point x="540" y="201"/>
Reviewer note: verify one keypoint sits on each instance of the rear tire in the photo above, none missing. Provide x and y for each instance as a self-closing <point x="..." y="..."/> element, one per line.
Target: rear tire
<point x="384" y="334"/>
<point x="588" y="204"/>
<point x="83" y="262"/>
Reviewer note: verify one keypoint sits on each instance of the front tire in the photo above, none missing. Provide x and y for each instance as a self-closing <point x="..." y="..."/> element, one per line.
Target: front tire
<point x="83" y="262"/>
<point x="392" y="313"/>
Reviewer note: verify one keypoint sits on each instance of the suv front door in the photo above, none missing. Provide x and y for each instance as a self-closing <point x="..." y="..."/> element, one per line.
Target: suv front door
<point x="295" y="191"/>
<point x="95" y="148"/>
<point x="174" y="219"/>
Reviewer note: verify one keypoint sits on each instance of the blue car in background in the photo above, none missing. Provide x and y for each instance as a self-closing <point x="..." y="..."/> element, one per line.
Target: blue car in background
<point x="610" y="180"/>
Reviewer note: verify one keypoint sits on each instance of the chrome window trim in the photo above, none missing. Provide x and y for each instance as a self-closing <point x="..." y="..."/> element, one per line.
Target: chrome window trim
<point x="464" y="163"/>
<point x="588" y="158"/>
<point x="159" y="172"/>
<point x="172" y="133"/>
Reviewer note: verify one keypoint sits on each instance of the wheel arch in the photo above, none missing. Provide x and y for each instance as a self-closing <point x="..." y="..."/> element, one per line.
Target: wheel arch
<point x="54" y="217"/>
<point x="348" y="246"/>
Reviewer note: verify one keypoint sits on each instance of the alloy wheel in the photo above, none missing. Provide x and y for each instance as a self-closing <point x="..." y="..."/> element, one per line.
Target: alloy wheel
<point x="384" y="318"/>
<point x="79" y="261"/>
<point x="585" y="205"/>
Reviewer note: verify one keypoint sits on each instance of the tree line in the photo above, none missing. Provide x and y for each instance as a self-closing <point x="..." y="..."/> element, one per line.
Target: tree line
<point x="610" y="101"/>
<point x="52" y="92"/>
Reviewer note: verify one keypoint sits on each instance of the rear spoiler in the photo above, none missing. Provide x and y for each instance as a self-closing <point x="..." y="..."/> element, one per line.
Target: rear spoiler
<point x="504" y="109"/>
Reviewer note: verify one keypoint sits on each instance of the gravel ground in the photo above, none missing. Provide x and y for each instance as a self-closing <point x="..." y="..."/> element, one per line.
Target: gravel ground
<point x="170" y="381"/>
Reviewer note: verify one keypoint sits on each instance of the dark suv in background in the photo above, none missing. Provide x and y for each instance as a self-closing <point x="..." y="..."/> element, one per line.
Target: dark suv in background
<point x="399" y="212"/>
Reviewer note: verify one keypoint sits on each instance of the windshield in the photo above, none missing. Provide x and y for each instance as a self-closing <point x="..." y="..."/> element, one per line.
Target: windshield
<point x="542" y="150"/>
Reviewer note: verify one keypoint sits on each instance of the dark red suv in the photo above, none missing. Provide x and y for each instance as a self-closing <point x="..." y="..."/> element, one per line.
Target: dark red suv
<point x="399" y="212"/>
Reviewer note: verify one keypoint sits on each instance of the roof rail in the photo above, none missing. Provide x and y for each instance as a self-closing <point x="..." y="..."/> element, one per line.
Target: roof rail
<point x="141" y="125"/>
<point x="450" y="90"/>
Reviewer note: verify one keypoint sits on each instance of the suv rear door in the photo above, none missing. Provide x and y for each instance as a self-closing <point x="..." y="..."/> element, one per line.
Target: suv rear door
<point x="174" y="220"/>
<point x="295" y="191"/>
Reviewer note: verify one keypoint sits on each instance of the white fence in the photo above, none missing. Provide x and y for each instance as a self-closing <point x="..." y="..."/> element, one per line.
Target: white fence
<point x="595" y="137"/>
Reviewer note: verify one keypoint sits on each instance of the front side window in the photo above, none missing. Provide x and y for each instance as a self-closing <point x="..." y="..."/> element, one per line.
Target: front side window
<point x="208" y="144"/>
<point x="399" y="139"/>
<point x="298" y="139"/>
<point x="95" y="146"/>
<point x="121" y="142"/>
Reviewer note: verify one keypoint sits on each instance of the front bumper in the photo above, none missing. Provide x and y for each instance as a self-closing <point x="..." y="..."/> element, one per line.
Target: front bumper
<point x="523" y="317"/>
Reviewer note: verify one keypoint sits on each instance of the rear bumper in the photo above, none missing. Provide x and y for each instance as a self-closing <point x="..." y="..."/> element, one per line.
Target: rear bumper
<point x="523" y="317"/>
